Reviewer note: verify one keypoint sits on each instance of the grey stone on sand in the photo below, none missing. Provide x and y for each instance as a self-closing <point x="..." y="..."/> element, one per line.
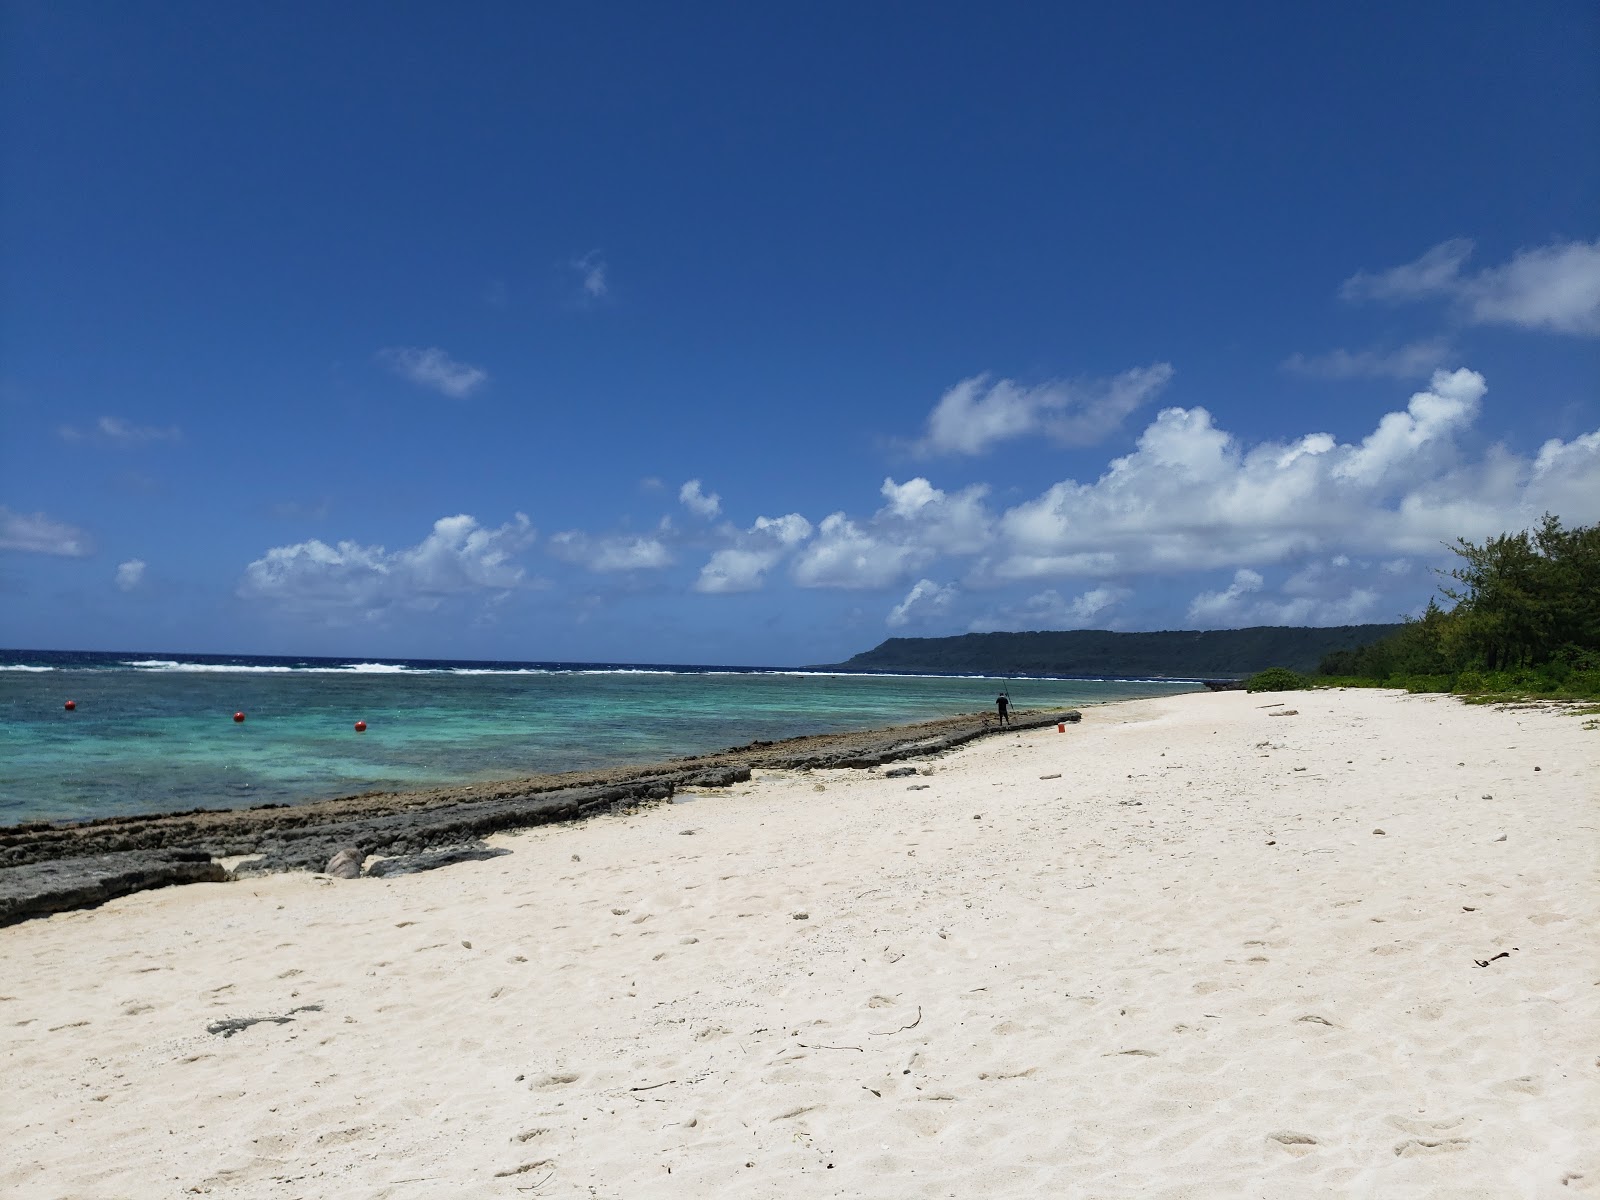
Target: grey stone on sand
<point x="346" y="864"/>
<point x="430" y="860"/>
<point x="899" y="772"/>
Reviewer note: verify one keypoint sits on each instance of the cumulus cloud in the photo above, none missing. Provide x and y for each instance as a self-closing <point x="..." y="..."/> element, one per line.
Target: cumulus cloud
<point x="844" y="555"/>
<point x="36" y="533"/>
<point x="1416" y="360"/>
<point x="925" y="600"/>
<point x="1049" y="609"/>
<point x="697" y="502"/>
<point x="432" y="368"/>
<point x="1192" y="496"/>
<point x="979" y="412"/>
<point x="917" y="524"/>
<point x="1430" y="419"/>
<point x="1554" y="288"/>
<point x="130" y="574"/>
<point x="618" y="552"/>
<point x="742" y="567"/>
<point x="458" y="557"/>
<point x="119" y="431"/>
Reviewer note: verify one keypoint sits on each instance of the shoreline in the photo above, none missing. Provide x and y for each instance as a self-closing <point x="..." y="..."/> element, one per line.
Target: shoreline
<point x="1195" y="948"/>
<point x="48" y="867"/>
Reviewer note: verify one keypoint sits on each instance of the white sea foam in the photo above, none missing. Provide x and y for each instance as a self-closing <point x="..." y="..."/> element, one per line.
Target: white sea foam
<point x="163" y="664"/>
<point x="499" y="671"/>
<point x="21" y="667"/>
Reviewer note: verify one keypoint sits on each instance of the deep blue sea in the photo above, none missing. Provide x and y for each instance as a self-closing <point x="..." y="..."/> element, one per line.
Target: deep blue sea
<point x="155" y="732"/>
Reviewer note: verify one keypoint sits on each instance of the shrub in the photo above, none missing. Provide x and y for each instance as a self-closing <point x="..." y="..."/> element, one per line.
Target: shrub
<point x="1275" y="679"/>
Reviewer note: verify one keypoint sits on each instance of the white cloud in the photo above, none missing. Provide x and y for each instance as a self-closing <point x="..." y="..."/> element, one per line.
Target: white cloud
<point x="918" y="523"/>
<point x="36" y="533"/>
<point x="1192" y="496"/>
<point x="1554" y="287"/>
<point x="434" y="369"/>
<point x="1431" y="417"/>
<point x="130" y="574"/>
<point x="1218" y="608"/>
<point x="697" y="501"/>
<point x="458" y="557"/>
<point x="976" y="413"/>
<point x="742" y="567"/>
<point x="844" y="555"/>
<point x="121" y="432"/>
<point x="1435" y="273"/>
<point x="1049" y="609"/>
<point x="591" y="269"/>
<point x="1412" y="361"/>
<point x="926" y="599"/>
<point x="1550" y="287"/>
<point x="618" y="552"/>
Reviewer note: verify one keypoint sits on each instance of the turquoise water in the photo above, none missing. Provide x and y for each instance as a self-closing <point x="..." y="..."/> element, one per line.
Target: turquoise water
<point x="157" y="734"/>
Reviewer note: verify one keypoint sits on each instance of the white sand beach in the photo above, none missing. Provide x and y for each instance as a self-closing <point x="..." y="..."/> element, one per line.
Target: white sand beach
<point x="1185" y="949"/>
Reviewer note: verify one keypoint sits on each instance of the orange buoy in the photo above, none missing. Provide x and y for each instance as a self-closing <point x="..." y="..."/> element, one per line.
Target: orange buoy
<point x="238" y="718"/>
<point x="71" y="705"/>
<point x="361" y="726"/>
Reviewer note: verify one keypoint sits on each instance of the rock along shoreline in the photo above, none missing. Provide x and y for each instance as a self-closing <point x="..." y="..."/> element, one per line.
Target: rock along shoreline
<point x="48" y="867"/>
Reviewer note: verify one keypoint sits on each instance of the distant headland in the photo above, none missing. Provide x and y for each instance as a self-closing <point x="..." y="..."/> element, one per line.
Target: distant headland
<point x="1173" y="654"/>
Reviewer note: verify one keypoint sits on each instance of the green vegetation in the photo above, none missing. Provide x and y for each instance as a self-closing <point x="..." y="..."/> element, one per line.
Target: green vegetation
<point x="1276" y="679"/>
<point x="1184" y="654"/>
<point x="1525" y="622"/>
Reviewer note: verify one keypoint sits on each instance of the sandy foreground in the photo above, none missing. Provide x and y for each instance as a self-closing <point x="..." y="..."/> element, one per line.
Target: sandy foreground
<point x="1185" y="949"/>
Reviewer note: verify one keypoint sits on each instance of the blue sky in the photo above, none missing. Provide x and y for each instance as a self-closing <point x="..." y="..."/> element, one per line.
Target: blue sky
<point x="748" y="334"/>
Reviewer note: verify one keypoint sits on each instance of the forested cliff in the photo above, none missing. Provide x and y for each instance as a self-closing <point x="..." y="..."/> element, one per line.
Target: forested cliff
<point x="1184" y="654"/>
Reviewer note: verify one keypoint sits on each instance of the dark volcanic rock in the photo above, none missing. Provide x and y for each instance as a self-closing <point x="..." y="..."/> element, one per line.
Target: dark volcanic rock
<point x="899" y="772"/>
<point x="428" y="860"/>
<point x="38" y="889"/>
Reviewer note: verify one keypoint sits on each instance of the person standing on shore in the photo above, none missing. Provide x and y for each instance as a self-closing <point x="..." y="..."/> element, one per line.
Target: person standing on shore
<point x="1003" y="703"/>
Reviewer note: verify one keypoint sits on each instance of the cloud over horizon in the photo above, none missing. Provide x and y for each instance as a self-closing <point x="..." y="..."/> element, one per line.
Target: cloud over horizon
<point x="457" y="557"/>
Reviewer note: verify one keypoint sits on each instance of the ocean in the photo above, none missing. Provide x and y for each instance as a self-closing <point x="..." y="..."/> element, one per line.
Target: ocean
<point x="155" y="733"/>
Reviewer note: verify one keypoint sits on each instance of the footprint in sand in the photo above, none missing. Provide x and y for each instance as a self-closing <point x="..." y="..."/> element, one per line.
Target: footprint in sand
<point x="1295" y="1143"/>
<point x="557" y="1080"/>
<point x="1412" y="1147"/>
<point x="1524" y="1085"/>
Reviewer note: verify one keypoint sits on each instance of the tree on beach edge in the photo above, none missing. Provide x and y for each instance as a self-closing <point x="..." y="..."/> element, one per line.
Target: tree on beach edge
<point x="1524" y="619"/>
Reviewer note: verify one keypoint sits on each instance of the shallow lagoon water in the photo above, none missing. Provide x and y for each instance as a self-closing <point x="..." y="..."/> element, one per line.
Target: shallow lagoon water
<point x="154" y="733"/>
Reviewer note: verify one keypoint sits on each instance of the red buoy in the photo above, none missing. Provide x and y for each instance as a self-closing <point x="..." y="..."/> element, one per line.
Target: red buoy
<point x="361" y="726"/>
<point x="238" y="718"/>
<point x="71" y="705"/>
